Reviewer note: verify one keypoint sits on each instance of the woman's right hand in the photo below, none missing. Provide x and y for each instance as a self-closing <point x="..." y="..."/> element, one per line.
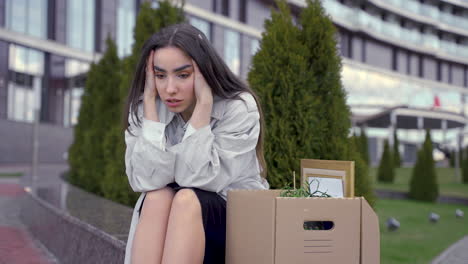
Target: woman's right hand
<point x="150" y="91"/>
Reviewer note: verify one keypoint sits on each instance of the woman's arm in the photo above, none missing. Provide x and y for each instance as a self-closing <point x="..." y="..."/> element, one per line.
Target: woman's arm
<point x="212" y="159"/>
<point x="148" y="165"/>
<point x="202" y="113"/>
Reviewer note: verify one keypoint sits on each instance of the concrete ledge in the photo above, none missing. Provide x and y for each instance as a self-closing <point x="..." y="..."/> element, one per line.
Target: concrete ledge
<point x="66" y="237"/>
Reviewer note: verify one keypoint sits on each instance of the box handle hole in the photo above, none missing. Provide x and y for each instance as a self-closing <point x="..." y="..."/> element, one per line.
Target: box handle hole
<point x="318" y="225"/>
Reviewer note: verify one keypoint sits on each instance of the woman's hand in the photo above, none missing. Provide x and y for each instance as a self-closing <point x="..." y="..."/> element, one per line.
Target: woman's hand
<point x="150" y="92"/>
<point x="203" y="92"/>
<point x="202" y="113"/>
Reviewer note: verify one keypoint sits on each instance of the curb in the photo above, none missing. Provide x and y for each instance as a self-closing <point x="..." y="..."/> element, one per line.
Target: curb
<point x="399" y="195"/>
<point x="69" y="239"/>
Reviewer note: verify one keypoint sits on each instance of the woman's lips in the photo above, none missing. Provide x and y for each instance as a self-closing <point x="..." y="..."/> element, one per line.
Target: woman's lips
<point x="173" y="102"/>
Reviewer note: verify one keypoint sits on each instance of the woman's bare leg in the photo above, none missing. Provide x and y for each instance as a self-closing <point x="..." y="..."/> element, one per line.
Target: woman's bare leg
<point x="150" y="233"/>
<point x="185" y="237"/>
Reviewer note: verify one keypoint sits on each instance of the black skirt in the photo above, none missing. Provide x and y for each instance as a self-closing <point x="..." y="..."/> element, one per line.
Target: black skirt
<point x="214" y="223"/>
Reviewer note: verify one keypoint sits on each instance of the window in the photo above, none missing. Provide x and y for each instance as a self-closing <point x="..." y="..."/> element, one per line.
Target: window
<point x="232" y="50"/>
<point x="254" y="46"/>
<point x="243" y="11"/>
<point x="75" y="73"/>
<point x="125" y="25"/>
<point x="80" y="24"/>
<point x="26" y="67"/>
<point x="221" y="7"/>
<point x="202" y="25"/>
<point x="27" y="16"/>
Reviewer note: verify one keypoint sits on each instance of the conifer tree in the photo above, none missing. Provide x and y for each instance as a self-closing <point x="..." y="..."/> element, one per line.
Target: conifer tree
<point x="333" y="122"/>
<point x="149" y="21"/>
<point x="280" y="78"/>
<point x="461" y="156"/>
<point x="296" y="74"/>
<point x="452" y="158"/>
<point x="464" y="165"/>
<point x="396" y="150"/>
<point x="362" y="181"/>
<point x="77" y="152"/>
<point x="97" y="112"/>
<point x="386" y="171"/>
<point x="423" y="184"/>
<point x="324" y="63"/>
<point x="364" y="146"/>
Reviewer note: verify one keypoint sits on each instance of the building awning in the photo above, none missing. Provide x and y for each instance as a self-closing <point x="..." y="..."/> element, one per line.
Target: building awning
<point x="405" y="117"/>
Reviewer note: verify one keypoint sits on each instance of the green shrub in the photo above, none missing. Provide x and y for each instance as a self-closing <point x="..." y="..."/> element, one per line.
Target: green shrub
<point x="396" y="150"/>
<point x="423" y="184"/>
<point x="296" y="74"/>
<point x="363" y="146"/>
<point x="386" y="171"/>
<point x="362" y="180"/>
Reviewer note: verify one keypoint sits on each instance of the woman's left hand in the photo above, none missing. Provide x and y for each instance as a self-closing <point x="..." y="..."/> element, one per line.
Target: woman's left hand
<point x="203" y="91"/>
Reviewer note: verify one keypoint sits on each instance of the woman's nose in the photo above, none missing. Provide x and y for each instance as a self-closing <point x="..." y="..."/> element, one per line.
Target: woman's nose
<point x="171" y="87"/>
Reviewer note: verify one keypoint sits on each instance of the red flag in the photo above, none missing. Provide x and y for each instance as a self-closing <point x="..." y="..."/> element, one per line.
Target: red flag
<point x="436" y="101"/>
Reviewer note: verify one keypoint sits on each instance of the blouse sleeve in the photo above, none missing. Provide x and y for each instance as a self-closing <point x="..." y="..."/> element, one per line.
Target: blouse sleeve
<point x="212" y="159"/>
<point x="148" y="166"/>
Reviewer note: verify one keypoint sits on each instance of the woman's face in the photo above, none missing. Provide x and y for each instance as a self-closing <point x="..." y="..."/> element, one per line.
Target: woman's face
<point x="173" y="73"/>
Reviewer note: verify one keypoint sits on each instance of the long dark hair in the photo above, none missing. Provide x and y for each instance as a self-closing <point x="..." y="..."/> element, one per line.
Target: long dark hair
<point x="217" y="74"/>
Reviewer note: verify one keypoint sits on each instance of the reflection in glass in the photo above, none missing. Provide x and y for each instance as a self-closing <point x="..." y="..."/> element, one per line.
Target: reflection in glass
<point x="361" y="19"/>
<point x="26" y="67"/>
<point x="75" y="72"/>
<point x="202" y="25"/>
<point x="231" y="50"/>
<point x="80" y="24"/>
<point x="254" y="46"/>
<point x="373" y="88"/>
<point x="125" y="25"/>
<point x="27" y="16"/>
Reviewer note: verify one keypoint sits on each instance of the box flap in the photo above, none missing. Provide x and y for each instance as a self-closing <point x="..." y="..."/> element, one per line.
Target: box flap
<point x="250" y="226"/>
<point x="296" y="245"/>
<point x="370" y="237"/>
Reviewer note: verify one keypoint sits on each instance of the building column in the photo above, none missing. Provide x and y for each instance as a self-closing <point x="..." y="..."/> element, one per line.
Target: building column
<point x="444" y="131"/>
<point x="392" y="127"/>
<point x="421" y="129"/>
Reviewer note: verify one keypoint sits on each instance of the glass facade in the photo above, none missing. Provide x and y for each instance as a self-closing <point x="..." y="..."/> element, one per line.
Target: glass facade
<point x="203" y="25"/>
<point x="125" y="24"/>
<point x="27" y="16"/>
<point x="26" y="69"/>
<point x="232" y="50"/>
<point x="254" y="46"/>
<point x="431" y="11"/>
<point x="376" y="89"/>
<point x="80" y="24"/>
<point x="392" y="30"/>
<point x="75" y="74"/>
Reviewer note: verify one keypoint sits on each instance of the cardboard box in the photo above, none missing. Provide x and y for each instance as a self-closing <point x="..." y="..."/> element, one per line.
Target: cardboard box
<point x="263" y="228"/>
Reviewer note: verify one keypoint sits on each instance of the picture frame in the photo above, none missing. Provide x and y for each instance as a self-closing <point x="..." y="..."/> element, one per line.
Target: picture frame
<point x="333" y="169"/>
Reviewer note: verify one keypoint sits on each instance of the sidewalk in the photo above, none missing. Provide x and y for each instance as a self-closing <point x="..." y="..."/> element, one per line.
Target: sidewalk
<point x="16" y="245"/>
<point x="455" y="254"/>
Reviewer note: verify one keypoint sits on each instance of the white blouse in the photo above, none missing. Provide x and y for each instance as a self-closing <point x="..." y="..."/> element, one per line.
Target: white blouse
<point x="218" y="157"/>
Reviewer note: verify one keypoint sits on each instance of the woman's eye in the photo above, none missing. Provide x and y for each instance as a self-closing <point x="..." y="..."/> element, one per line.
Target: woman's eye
<point x="184" y="75"/>
<point x="159" y="76"/>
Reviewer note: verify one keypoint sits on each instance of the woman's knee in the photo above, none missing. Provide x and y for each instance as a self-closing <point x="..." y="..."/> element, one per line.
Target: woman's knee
<point x="186" y="200"/>
<point x="164" y="194"/>
<point x="158" y="200"/>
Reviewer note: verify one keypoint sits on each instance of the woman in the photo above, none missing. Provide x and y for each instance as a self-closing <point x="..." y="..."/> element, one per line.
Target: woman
<point x="194" y="132"/>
